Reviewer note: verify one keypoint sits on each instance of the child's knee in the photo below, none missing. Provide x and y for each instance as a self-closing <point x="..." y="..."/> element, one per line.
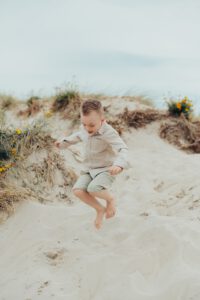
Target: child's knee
<point x="78" y="192"/>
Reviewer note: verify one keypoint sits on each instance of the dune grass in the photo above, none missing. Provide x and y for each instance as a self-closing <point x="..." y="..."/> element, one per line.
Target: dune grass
<point x="33" y="179"/>
<point x="7" y="101"/>
<point x="135" y="118"/>
<point x="65" y="98"/>
<point x="34" y="106"/>
<point x="183" y="133"/>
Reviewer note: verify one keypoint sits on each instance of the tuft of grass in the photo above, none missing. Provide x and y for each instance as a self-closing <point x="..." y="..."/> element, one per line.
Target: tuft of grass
<point x="10" y="194"/>
<point x="67" y="98"/>
<point x="134" y="118"/>
<point x="2" y="117"/>
<point x="182" y="132"/>
<point x="17" y="144"/>
<point x="140" y="118"/>
<point x="33" y="107"/>
<point x="67" y="101"/>
<point x="7" y="101"/>
<point x="32" y="100"/>
<point x="45" y="171"/>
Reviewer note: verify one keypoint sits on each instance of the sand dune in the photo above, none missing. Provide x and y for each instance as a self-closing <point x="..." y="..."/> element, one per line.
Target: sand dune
<point x="149" y="251"/>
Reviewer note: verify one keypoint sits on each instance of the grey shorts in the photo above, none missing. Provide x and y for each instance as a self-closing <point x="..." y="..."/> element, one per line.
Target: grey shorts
<point x="100" y="182"/>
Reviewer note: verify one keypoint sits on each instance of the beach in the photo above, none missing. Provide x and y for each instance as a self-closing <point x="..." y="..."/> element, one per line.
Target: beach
<point x="150" y="250"/>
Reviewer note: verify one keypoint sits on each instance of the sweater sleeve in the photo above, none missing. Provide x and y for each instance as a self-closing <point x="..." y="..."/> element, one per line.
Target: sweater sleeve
<point x="72" y="139"/>
<point x="118" y="145"/>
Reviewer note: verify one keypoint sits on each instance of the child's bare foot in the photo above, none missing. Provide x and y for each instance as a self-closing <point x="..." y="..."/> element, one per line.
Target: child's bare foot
<point x="99" y="218"/>
<point x="110" y="209"/>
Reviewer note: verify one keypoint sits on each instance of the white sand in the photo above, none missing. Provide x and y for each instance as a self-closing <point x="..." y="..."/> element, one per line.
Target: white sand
<point x="149" y="251"/>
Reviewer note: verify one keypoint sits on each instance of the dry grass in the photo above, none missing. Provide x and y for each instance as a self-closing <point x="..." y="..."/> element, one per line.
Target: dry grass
<point x="35" y="138"/>
<point x="18" y="181"/>
<point x="24" y="142"/>
<point x="134" y="118"/>
<point x="183" y="133"/>
<point x="68" y="102"/>
<point x="9" y="195"/>
<point x="34" y="106"/>
<point x="140" y="118"/>
<point x="45" y="171"/>
<point x="7" y="101"/>
<point x="73" y="110"/>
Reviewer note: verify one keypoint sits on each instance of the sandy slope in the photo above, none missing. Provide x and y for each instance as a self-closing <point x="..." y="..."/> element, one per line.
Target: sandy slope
<point x="149" y="250"/>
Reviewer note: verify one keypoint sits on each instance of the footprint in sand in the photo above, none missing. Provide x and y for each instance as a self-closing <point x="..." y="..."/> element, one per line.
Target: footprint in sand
<point x="55" y="256"/>
<point x="181" y="194"/>
<point x="144" y="214"/>
<point x="159" y="187"/>
<point x="42" y="286"/>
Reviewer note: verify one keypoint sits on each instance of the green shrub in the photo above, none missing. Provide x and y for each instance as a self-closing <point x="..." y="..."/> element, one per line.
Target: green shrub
<point x="64" y="98"/>
<point x="32" y="100"/>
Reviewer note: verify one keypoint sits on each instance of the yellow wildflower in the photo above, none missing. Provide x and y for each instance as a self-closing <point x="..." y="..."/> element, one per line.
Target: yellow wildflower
<point x="178" y="105"/>
<point x="18" y="131"/>
<point x="13" y="151"/>
<point x="48" y="114"/>
<point x="186" y="109"/>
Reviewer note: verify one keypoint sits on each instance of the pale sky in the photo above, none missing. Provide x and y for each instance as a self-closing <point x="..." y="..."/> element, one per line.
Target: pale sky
<point x="114" y="46"/>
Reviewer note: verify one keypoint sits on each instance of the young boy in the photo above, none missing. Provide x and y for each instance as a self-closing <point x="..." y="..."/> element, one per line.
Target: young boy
<point x="105" y="155"/>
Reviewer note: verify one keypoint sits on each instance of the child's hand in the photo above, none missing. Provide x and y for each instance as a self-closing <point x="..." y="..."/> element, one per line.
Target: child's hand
<point x="114" y="170"/>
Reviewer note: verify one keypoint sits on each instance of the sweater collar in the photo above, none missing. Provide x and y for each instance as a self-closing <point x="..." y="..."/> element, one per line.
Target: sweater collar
<point x="102" y="128"/>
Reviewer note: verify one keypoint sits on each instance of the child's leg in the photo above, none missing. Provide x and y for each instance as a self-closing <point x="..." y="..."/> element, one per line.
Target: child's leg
<point x="92" y="201"/>
<point x="88" y="199"/>
<point x="104" y="194"/>
<point x="99" y="186"/>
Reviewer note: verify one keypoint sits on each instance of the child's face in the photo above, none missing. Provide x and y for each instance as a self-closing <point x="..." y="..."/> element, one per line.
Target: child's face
<point x="92" y="122"/>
